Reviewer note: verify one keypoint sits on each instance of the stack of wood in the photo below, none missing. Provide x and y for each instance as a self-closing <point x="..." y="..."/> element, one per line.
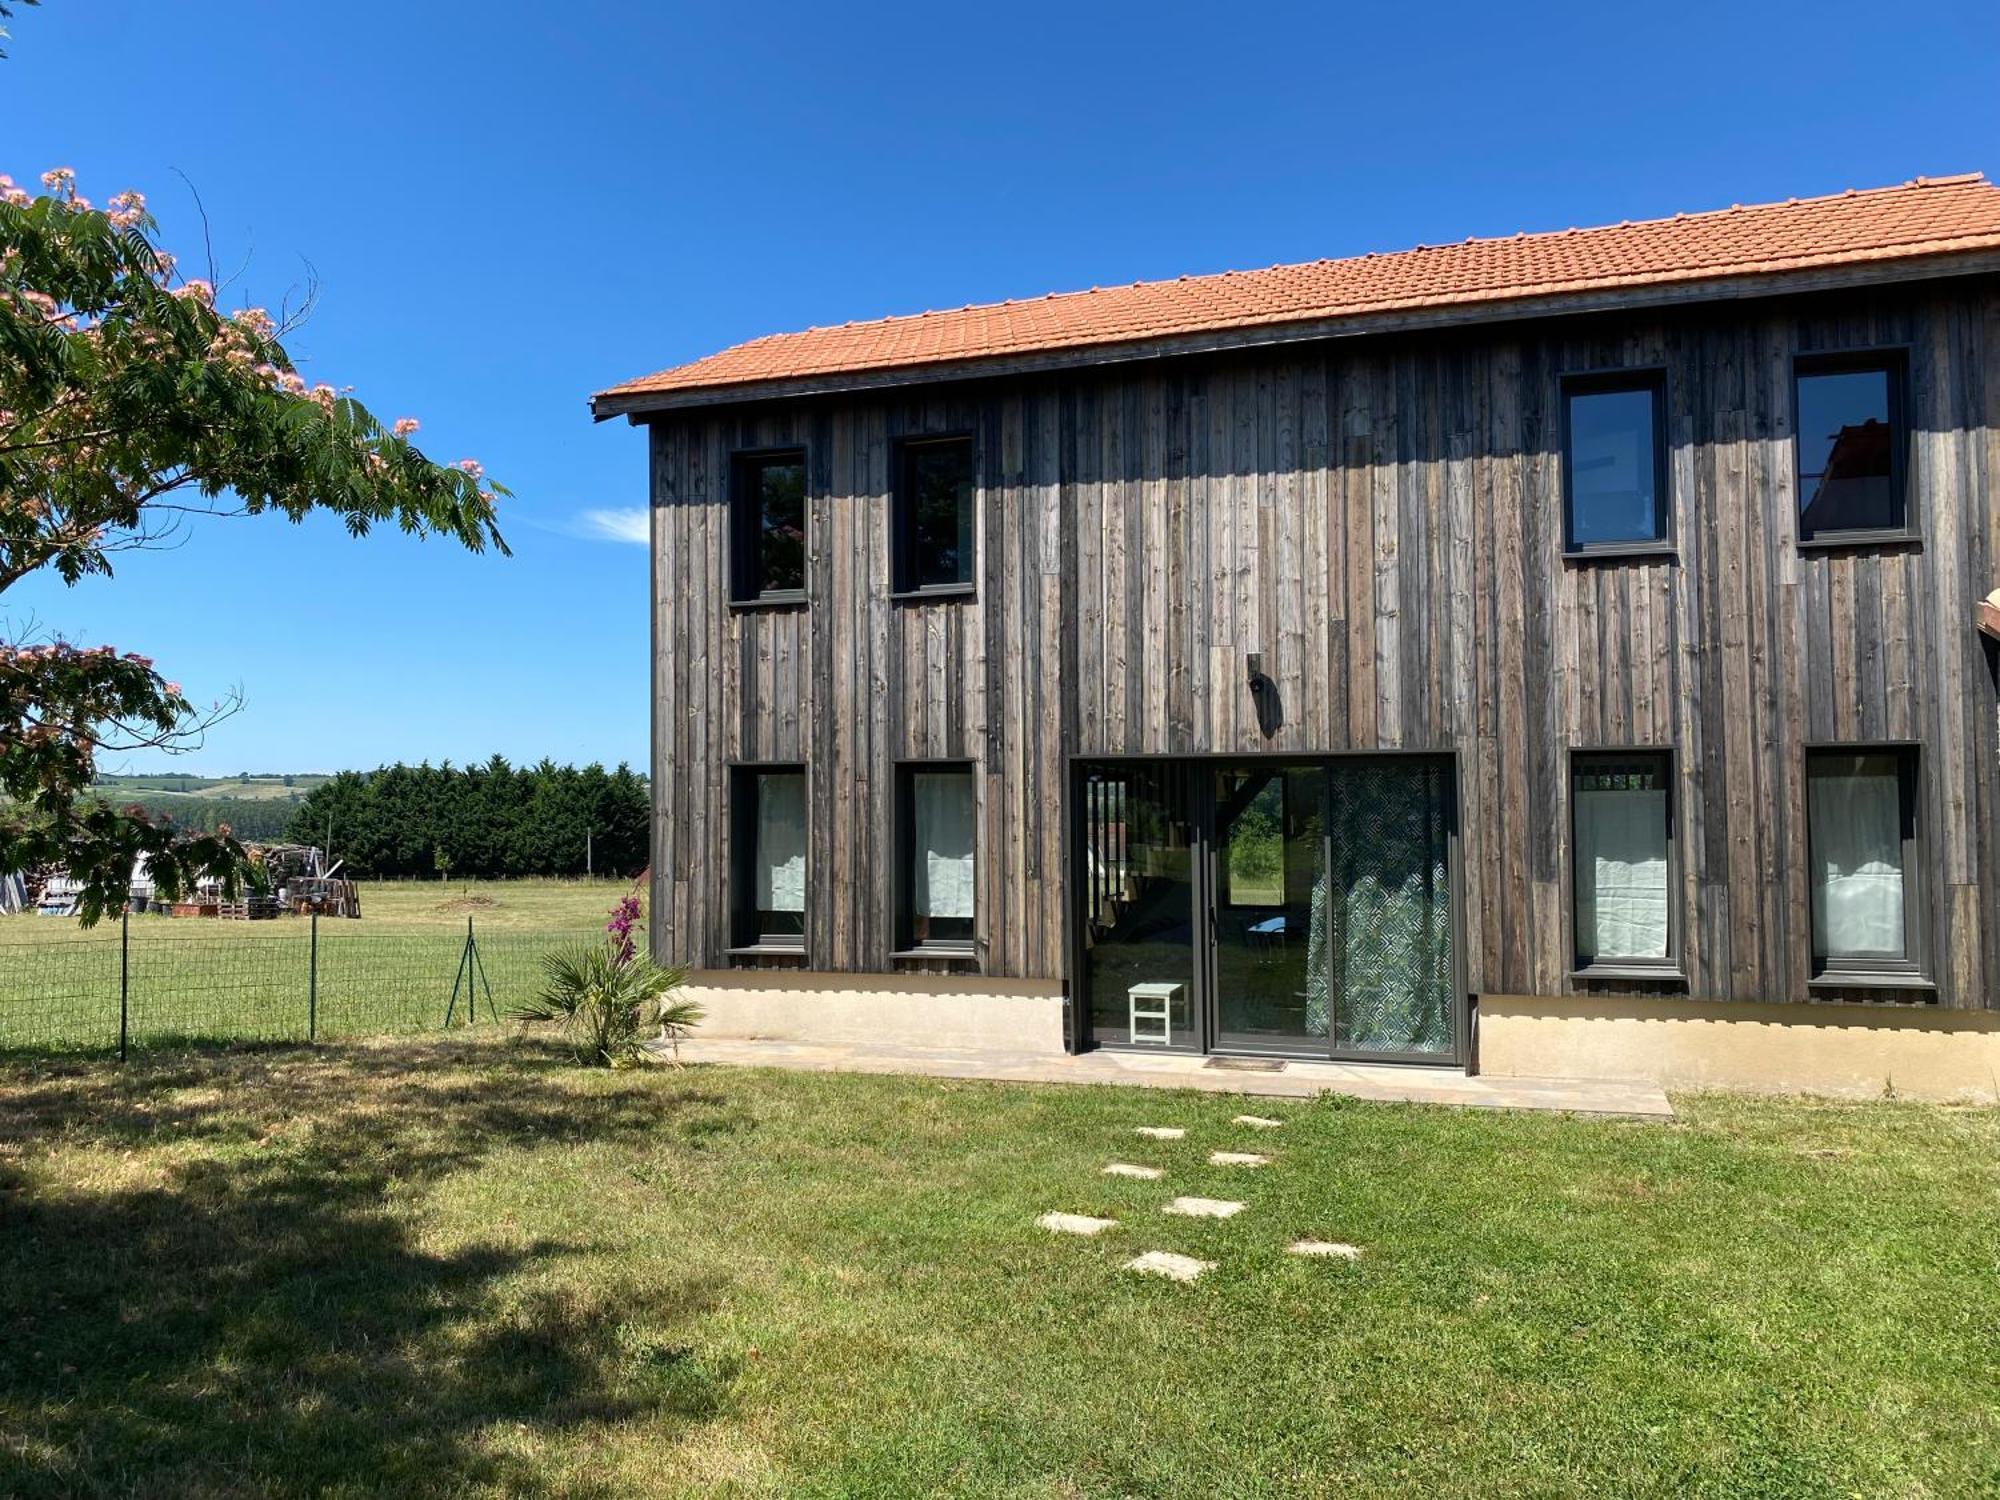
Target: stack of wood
<point x="1989" y="614"/>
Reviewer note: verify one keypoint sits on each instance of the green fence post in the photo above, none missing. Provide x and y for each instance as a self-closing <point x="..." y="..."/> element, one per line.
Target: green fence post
<point x="124" y="980"/>
<point x="312" y="984"/>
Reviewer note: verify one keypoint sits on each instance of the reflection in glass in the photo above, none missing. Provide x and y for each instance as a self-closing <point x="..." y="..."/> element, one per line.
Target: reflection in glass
<point x="1613" y="469"/>
<point x="1137" y="874"/>
<point x="939" y="495"/>
<point x="1271" y="832"/>
<point x="1845" y="453"/>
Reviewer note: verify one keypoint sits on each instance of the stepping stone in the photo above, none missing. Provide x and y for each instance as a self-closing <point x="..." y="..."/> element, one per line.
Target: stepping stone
<point x="1161" y="1132"/>
<point x="1326" y="1249"/>
<point x="1166" y="1263"/>
<point x="1127" y="1169"/>
<point x="1203" y="1208"/>
<point x="1075" y="1223"/>
<point x="1237" y="1159"/>
<point x="1258" y="1122"/>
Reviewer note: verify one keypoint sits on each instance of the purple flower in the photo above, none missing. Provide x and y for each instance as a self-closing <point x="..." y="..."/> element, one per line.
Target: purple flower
<point x="624" y="917"/>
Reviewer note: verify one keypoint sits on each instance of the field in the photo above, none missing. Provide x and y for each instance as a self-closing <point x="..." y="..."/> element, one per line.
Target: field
<point x="458" y="1268"/>
<point x="199" y="980"/>
<point x="162" y="788"/>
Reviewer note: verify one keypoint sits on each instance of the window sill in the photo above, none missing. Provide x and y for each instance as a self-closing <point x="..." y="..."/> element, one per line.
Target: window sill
<point x="767" y="950"/>
<point x="955" y="593"/>
<point x="1848" y="541"/>
<point x="959" y="952"/>
<point x="1624" y="552"/>
<point x="1861" y="979"/>
<point x="786" y="599"/>
<point x="1628" y="973"/>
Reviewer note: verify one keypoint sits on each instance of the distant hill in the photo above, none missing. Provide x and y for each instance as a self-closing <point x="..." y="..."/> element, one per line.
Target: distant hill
<point x="161" y="788"/>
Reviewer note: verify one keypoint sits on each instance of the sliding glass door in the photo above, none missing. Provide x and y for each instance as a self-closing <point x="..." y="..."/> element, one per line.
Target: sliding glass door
<point x="1293" y="908"/>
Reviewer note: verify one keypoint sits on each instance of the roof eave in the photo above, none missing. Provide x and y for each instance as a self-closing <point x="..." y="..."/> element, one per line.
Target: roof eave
<point x="638" y="406"/>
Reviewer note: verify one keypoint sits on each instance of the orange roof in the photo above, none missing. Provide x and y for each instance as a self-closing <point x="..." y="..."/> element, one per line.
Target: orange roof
<point x="1925" y="217"/>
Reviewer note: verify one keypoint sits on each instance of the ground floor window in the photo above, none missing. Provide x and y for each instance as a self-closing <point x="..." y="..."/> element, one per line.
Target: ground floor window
<point x="1865" y="873"/>
<point x="938" y="819"/>
<point x="768" y="856"/>
<point x="1621" y="815"/>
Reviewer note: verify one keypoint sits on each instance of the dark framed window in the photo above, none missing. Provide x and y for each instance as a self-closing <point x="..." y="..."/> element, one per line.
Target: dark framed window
<point x="936" y="509"/>
<point x="1864" y="864"/>
<point x="767" y="527"/>
<point x="1852" y="441"/>
<point x="1624" y="864"/>
<point x="767" y="856"/>
<point x="1615" y="490"/>
<point x="937" y="817"/>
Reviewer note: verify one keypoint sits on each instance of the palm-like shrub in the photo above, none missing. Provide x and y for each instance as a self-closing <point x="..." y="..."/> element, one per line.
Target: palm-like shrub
<point x="607" y="1005"/>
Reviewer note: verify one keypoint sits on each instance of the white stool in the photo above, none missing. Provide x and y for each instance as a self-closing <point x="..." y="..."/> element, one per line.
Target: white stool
<point x="1150" y="1012"/>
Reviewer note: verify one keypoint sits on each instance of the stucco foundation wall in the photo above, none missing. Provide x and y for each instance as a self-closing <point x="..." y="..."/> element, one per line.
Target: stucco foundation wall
<point x="1838" y="1050"/>
<point x="882" y="1010"/>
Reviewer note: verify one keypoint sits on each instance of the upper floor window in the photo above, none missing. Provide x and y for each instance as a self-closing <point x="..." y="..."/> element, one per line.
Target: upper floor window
<point x="939" y="820"/>
<point x="1865" y="873"/>
<point x="1851" y="441"/>
<point x="768" y="856"/>
<point x="767" y="527"/>
<point x="935" y="510"/>
<point x="1621" y="815"/>
<point x="1614" y="461"/>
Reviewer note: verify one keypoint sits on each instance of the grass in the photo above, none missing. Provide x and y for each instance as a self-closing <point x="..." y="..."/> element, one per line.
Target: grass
<point x="196" y="979"/>
<point x="461" y="1269"/>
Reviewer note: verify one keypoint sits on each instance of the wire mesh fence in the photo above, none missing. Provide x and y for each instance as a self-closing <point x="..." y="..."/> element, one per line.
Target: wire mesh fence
<point x="151" y="981"/>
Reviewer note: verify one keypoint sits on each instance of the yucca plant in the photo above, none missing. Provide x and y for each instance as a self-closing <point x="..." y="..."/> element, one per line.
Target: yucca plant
<point x="607" y="1005"/>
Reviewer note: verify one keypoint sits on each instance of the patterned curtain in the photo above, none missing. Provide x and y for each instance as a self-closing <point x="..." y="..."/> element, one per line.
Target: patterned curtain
<point x="1379" y="951"/>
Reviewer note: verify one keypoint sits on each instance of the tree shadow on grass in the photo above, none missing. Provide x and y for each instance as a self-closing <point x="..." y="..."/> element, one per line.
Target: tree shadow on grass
<point x="223" y="1291"/>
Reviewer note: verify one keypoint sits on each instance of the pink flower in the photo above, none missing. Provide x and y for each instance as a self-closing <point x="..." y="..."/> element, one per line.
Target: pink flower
<point x="471" y="466"/>
<point x="60" y="180"/>
<point x="404" y="427"/>
<point x="173" y="690"/>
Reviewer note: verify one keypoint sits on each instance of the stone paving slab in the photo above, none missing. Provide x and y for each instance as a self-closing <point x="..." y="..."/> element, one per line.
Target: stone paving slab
<point x="1204" y="1208"/>
<point x="1132" y="1169"/>
<point x="1327" y="1249"/>
<point x="1237" y="1159"/>
<point x="1160" y="1132"/>
<point x="1257" y="1122"/>
<point x="1299" y="1080"/>
<point x="1075" y="1223"/>
<point x="1166" y="1263"/>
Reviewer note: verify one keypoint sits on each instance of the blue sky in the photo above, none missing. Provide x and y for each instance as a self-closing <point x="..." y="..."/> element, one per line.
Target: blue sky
<point x="507" y="206"/>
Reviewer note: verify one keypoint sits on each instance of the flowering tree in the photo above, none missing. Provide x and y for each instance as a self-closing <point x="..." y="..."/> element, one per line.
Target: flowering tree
<point x="129" y="401"/>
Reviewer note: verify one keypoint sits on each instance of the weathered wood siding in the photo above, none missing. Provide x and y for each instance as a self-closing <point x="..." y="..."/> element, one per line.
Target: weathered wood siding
<point x="1382" y="521"/>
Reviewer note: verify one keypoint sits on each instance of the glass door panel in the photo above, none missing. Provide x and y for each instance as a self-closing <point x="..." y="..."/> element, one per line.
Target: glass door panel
<point x="1138" y="905"/>
<point x="1270" y="900"/>
<point x="1389" y="924"/>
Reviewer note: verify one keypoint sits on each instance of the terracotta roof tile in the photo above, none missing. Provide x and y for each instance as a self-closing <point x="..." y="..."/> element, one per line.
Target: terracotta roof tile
<point x="1928" y="216"/>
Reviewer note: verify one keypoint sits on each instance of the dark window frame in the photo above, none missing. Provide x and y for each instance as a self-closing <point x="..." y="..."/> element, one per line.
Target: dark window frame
<point x="1912" y="970"/>
<point x="902" y="519"/>
<point x="744" y="938"/>
<point x="746" y="589"/>
<point x="1894" y="360"/>
<point x="1667" y="969"/>
<point x="904" y="843"/>
<point x="1649" y="378"/>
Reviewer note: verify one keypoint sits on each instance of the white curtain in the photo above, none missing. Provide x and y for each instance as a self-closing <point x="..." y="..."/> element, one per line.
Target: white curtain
<point x="1621" y="852"/>
<point x="1856" y="817"/>
<point x="944" y="835"/>
<point x="781" y="842"/>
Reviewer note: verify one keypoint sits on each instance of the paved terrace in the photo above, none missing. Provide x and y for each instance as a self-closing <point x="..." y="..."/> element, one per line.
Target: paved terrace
<point x="1291" y="1080"/>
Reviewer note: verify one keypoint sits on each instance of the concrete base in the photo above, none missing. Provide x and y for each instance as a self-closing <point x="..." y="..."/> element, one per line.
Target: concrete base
<point x="887" y="1011"/>
<point x="1844" y="1051"/>
<point x="1295" y="1080"/>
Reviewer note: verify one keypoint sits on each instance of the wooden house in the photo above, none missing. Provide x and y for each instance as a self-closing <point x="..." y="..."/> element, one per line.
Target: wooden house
<point x="1559" y="654"/>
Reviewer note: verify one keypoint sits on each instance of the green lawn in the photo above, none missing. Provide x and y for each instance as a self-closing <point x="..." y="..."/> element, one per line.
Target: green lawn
<point x="200" y="979"/>
<point x="460" y="1268"/>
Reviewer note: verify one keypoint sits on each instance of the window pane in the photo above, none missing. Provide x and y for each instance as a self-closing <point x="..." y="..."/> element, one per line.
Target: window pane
<point x="1854" y="815"/>
<point x="780" y="858"/>
<point x="941" y="889"/>
<point x="1846" y="437"/>
<point x="780" y="497"/>
<point x="1622" y="830"/>
<point x="939" y="480"/>
<point x="1612" y="473"/>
